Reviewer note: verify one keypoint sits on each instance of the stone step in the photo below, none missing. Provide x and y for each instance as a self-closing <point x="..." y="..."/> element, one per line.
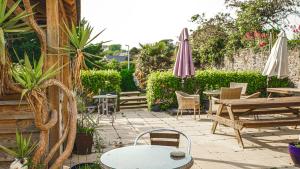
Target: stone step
<point x="134" y="106"/>
<point x="131" y="93"/>
<point x="133" y="103"/>
<point x="133" y="98"/>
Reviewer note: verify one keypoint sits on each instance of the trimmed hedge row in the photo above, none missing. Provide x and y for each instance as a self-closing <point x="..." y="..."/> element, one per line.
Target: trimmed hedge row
<point x="161" y="86"/>
<point x="127" y="83"/>
<point x="105" y="80"/>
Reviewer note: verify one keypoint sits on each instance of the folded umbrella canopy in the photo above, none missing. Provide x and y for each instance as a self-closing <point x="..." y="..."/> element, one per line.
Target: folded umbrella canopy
<point x="184" y="66"/>
<point x="277" y="64"/>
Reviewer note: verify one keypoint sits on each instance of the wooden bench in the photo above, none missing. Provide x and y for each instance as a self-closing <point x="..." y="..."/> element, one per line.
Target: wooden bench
<point x="237" y="108"/>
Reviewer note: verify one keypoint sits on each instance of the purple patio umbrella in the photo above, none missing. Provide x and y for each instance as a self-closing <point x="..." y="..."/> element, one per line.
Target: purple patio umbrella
<point x="184" y="66"/>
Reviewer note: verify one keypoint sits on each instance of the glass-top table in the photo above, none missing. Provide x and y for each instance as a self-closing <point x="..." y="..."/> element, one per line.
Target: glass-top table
<point x="144" y="157"/>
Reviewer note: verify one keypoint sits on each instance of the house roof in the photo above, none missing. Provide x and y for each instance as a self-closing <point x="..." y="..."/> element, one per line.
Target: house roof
<point x="118" y="58"/>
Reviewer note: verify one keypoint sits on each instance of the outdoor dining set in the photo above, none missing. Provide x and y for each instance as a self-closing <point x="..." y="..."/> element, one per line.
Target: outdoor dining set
<point x="230" y="106"/>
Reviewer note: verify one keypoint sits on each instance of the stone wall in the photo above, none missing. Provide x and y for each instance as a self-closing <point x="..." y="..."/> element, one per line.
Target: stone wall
<point x="249" y="60"/>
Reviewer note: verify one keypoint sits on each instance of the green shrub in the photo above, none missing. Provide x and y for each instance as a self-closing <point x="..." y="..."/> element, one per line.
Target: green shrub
<point x="161" y="86"/>
<point x="127" y="83"/>
<point x="124" y="65"/>
<point x="104" y="80"/>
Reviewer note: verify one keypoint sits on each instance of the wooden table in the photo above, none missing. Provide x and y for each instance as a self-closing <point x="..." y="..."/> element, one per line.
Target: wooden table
<point x="210" y="94"/>
<point x="144" y="157"/>
<point x="239" y="107"/>
<point x="290" y="91"/>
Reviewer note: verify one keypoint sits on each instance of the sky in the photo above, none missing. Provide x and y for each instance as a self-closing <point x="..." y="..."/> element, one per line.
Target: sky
<point x="130" y="22"/>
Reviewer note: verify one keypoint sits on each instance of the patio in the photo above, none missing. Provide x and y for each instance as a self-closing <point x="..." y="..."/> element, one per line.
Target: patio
<point x="264" y="148"/>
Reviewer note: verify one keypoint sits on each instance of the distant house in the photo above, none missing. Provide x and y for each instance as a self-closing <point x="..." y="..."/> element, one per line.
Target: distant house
<point x="118" y="58"/>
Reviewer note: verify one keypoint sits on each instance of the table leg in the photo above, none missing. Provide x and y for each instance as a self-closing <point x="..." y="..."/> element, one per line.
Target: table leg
<point x="210" y="105"/>
<point x="270" y="95"/>
<point x="215" y="123"/>
<point x="236" y="131"/>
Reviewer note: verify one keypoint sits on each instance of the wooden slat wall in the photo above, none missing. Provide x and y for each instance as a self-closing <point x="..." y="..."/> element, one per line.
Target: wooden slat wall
<point x="14" y="115"/>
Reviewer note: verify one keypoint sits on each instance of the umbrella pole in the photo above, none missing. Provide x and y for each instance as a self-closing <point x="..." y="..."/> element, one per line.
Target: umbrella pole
<point x="182" y="83"/>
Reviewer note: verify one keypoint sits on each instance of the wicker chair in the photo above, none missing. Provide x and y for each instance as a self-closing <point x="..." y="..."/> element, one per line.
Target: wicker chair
<point x="187" y="102"/>
<point x="237" y="85"/>
<point x="227" y="93"/>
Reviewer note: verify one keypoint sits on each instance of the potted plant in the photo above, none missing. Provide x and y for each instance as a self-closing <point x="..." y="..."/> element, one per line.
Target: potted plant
<point x="84" y="137"/>
<point x="86" y="166"/>
<point x="22" y="153"/>
<point x="294" y="150"/>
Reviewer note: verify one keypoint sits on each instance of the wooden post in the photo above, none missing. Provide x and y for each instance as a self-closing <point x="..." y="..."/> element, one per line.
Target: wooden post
<point x="53" y="30"/>
<point x="65" y="73"/>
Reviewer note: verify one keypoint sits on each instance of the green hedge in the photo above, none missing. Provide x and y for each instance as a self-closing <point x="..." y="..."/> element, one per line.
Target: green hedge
<point x="161" y="86"/>
<point x="105" y="80"/>
<point x="127" y="83"/>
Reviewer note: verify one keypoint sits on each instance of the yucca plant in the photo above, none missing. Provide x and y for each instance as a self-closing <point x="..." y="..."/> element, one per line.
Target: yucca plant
<point x="34" y="82"/>
<point x="29" y="76"/>
<point x="79" y="37"/>
<point x="9" y="23"/>
<point x="23" y="151"/>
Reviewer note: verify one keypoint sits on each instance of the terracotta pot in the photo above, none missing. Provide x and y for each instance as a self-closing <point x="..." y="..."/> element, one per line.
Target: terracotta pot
<point x="83" y="144"/>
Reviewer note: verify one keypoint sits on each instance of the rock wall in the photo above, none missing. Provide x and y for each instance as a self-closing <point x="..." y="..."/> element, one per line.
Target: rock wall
<point x="249" y="60"/>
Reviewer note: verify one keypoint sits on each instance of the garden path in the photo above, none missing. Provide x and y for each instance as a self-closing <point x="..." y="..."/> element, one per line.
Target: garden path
<point x="264" y="148"/>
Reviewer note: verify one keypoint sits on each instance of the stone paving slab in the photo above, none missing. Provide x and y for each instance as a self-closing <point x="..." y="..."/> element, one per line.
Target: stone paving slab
<point x="264" y="148"/>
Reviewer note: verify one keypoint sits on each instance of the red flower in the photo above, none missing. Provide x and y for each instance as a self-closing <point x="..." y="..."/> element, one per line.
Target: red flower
<point x="249" y="35"/>
<point x="257" y="34"/>
<point x="264" y="35"/>
<point x="262" y="44"/>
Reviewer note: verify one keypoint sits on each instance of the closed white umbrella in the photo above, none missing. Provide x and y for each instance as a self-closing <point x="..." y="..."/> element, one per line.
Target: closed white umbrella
<point x="277" y="64"/>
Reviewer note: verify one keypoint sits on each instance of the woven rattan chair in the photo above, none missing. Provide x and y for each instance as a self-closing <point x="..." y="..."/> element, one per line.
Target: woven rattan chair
<point x="227" y="93"/>
<point x="187" y="102"/>
<point x="237" y="85"/>
<point x="165" y="137"/>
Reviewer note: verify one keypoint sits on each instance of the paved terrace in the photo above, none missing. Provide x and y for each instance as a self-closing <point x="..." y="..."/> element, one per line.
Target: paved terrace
<point x="264" y="148"/>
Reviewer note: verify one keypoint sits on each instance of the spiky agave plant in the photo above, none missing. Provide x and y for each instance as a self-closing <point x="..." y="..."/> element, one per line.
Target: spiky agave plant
<point x="34" y="82"/>
<point x="23" y="151"/>
<point x="31" y="78"/>
<point x="9" y="23"/>
<point x="80" y="37"/>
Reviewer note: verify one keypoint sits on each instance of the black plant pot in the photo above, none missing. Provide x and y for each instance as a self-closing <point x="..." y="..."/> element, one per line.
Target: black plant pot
<point x="88" y="165"/>
<point x="155" y="108"/>
<point x="205" y="104"/>
<point x="83" y="144"/>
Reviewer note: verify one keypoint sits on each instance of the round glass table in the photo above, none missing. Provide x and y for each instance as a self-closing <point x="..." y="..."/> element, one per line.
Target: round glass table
<point x="144" y="157"/>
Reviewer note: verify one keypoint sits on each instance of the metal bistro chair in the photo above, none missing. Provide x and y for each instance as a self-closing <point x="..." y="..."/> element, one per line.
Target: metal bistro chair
<point x="165" y="137"/>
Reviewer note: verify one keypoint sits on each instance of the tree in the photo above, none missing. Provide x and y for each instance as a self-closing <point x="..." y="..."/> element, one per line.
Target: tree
<point x="153" y="57"/>
<point x="134" y="51"/>
<point x="114" y="49"/>
<point x="256" y="15"/>
<point x="96" y="51"/>
<point x="210" y="39"/>
<point x="80" y="38"/>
